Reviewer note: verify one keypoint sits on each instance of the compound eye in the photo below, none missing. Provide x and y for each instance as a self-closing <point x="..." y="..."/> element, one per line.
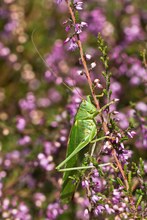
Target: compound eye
<point x="90" y="111"/>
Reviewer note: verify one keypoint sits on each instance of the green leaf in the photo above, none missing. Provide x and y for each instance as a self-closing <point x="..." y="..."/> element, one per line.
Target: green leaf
<point x="141" y="162"/>
<point x="139" y="201"/>
<point x="126" y="169"/>
<point x="120" y="181"/>
<point x="130" y="180"/>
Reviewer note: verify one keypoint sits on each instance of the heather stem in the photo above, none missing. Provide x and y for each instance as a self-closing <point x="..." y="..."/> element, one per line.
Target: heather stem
<point x="104" y="124"/>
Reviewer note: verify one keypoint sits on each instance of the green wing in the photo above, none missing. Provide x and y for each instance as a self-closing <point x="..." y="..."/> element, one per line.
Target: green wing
<point x="82" y="132"/>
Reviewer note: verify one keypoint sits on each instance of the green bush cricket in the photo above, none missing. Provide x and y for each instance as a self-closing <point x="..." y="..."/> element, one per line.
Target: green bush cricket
<point x="82" y="133"/>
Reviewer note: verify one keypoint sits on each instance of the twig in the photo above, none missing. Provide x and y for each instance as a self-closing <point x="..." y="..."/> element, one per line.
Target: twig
<point x="104" y="124"/>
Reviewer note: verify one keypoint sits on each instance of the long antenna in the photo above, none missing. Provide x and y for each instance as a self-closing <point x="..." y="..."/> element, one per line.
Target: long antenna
<point x="49" y="67"/>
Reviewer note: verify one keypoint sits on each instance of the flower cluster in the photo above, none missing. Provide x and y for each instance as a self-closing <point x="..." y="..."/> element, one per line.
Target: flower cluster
<point x="37" y="110"/>
<point x="74" y="28"/>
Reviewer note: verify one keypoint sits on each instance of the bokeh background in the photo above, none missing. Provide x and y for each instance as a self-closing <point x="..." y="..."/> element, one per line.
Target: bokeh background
<point x="37" y="110"/>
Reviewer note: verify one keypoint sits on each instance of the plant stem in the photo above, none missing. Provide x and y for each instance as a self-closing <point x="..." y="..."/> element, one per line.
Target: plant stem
<point x="96" y="101"/>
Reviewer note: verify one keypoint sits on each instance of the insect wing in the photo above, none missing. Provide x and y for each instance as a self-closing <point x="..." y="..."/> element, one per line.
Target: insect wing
<point x="82" y="132"/>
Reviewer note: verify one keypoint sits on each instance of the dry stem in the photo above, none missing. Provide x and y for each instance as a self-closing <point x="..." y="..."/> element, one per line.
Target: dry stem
<point x="96" y="101"/>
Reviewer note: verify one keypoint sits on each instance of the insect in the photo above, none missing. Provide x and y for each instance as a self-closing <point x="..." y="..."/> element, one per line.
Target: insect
<point x="82" y="133"/>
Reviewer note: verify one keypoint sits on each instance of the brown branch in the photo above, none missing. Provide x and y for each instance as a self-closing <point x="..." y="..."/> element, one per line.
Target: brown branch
<point x="104" y="124"/>
<point x="105" y="127"/>
<point x="120" y="168"/>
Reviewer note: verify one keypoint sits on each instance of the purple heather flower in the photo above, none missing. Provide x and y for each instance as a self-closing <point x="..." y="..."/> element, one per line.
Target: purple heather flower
<point x="54" y="96"/>
<point x="97" y="184"/>
<point x="58" y="1"/>
<point x="46" y="162"/>
<point x="67" y="40"/>
<point x="29" y="181"/>
<point x="85" y="183"/>
<point x="74" y="104"/>
<point x="24" y="140"/>
<point x="107" y="147"/>
<point x="43" y="102"/>
<point x="96" y="81"/>
<point x="93" y="65"/>
<point x="135" y="80"/>
<point x="21" y="212"/>
<point x="123" y="120"/>
<point x="54" y="58"/>
<point x="108" y="209"/>
<point x="3" y="174"/>
<point x="144" y="144"/>
<point x="134" y="31"/>
<point x="145" y="166"/>
<point x="72" y="44"/>
<point x="86" y="214"/>
<point x="28" y="103"/>
<point x="48" y="147"/>
<point x="13" y="155"/>
<point x="4" y="51"/>
<point x="79" y="27"/>
<point x="78" y="5"/>
<point x="95" y="198"/>
<point x="21" y="123"/>
<point x="116" y="196"/>
<point x="11" y="26"/>
<point x="80" y="72"/>
<point x="54" y="210"/>
<point x="136" y="72"/>
<point x="123" y="154"/>
<point x="6" y="203"/>
<point x="96" y="20"/>
<point x="51" y="147"/>
<point x="141" y="106"/>
<point x="116" y="90"/>
<point x="142" y="141"/>
<point x="88" y="56"/>
<point x="131" y="134"/>
<point x="39" y="198"/>
<point x="48" y="76"/>
<point x="116" y="52"/>
<point x="98" y="210"/>
<point x="67" y="28"/>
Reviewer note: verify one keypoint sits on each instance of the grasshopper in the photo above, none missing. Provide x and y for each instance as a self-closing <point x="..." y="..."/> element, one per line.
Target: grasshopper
<point x="82" y="133"/>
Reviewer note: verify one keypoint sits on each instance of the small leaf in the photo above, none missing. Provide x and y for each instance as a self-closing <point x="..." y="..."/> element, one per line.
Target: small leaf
<point x="141" y="166"/>
<point x="130" y="179"/>
<point x="101" y="173"/>
<point x="139" y="201"/>
<point x="125" y="169"/>
<point x="143" y="205"/>
<point x="120" y="181"/>
<point x="105" y="91"/>
<point x="113" y="180"/>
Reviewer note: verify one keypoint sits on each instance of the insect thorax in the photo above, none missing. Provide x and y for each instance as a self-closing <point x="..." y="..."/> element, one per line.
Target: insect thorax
<point x="86" y="110"/>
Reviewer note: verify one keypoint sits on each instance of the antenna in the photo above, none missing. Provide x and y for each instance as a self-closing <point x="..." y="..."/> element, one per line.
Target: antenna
<point x="49" y="67"/>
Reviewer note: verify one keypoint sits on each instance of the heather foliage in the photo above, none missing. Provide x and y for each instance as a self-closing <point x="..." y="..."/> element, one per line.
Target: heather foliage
<point x="95" y="48"/>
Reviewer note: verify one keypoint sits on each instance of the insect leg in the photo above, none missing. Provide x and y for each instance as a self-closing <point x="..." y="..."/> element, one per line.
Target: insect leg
<point x="105" y="106"/>
<point x="78" y="148"/>
<point x="84" y="167"/>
